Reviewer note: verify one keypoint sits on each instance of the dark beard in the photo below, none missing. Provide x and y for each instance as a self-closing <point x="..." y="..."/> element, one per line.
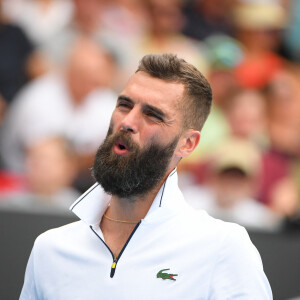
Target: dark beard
<point x="133" y="174"/>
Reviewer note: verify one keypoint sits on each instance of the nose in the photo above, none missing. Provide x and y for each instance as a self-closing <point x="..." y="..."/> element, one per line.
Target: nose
<point x="130" y="122"/>
<point x="127" y="128"/>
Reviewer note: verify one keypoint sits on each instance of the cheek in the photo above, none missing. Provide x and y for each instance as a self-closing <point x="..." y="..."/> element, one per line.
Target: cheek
<point x="151" y="135"/>
<point x="115" y="121"/>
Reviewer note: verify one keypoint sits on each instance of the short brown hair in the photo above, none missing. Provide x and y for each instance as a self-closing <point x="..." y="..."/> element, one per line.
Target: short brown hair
<point x="198" y="93"/>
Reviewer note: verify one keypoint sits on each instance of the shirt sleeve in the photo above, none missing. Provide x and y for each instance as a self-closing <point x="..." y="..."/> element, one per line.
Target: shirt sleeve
<point x="29" y="291"/>
<point x="238" y="272"/>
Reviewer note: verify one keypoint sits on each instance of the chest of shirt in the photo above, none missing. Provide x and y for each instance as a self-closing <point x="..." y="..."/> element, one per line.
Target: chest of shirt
<point x="154" y="267"/>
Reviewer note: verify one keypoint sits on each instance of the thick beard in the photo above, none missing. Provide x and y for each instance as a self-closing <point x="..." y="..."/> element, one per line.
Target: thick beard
<point x="133" y="174"/>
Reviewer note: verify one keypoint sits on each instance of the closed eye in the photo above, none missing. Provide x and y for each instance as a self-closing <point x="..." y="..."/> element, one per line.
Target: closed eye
<point x="124" y="103"/>
<point x="154" y="117"/>
<point x="154" y="113"/>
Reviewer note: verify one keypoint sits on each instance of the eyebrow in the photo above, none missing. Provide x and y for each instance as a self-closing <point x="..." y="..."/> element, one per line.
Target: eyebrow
<point x="146" y="107"/>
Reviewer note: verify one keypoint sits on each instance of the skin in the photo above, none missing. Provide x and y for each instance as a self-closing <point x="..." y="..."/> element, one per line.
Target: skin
<point x="147" y="108"/>
<point x="83" y="71"/>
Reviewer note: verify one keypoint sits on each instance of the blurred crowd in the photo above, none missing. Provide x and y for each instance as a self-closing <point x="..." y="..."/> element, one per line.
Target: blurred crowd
<point x="63" y="63"/>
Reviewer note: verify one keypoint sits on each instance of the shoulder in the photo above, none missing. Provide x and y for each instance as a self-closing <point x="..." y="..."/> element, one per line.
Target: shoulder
<point x="41" y="88"/>
<point x="237" y="269"/>
<point x="61" y="236"/>
<point x="198" y="218"/>
<point x="224" y="238"/>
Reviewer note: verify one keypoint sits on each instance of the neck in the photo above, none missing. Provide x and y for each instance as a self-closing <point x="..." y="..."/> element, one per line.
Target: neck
<point x="130" y="212"/>
<point x="133" y="208"/>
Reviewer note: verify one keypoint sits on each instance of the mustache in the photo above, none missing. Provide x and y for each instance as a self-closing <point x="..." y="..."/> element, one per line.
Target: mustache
<point x="124" y="137"/>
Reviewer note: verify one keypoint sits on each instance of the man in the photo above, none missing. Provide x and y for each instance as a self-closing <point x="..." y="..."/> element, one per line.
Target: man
<point x="145" y="242"/>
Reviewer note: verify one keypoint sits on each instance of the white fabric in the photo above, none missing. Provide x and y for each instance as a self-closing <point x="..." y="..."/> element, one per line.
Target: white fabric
<point x="39" y="23"/>
<point x="212" y="259"/>
<point x="44" y="108"/>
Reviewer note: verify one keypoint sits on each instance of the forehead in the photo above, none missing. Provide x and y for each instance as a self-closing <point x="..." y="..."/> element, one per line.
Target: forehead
<point x="145" y="89"/>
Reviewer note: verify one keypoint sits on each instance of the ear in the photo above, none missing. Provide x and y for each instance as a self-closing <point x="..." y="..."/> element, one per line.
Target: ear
<point x="187" y="142"/>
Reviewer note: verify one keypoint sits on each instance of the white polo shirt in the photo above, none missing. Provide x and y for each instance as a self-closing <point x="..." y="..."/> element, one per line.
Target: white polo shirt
<point x="175" y="252"/>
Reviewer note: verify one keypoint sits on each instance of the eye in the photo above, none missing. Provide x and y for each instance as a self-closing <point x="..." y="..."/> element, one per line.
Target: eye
<point x="154" y="117"/>
<point x="123" y="105"/>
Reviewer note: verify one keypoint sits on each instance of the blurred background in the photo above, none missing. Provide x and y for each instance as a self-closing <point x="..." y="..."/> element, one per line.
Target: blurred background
<point x="62" y="65"/>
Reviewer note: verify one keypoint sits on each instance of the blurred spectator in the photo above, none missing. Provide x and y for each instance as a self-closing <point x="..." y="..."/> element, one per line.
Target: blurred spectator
<point x="87" y="15"/>
<point x="124" y="20"/>
<point x="283" y="157"/>
<point x="51" y="169"/>
<point x="72" y="103"/>
<point x="15" y="50"/>
<point x="204" y="18"/>
<point x="164" y="34"/>
<point x="40" y="19"/>
<point x="86" y="21"/>
<point x="245" y="111"/>
<point x="224" y="54"/>
<point x="258" y="27"/>
<point x="283" y="95"/>
<point x="285" y="198"/>
<point x="47" y="182"/>
<point x="230" y="190"/>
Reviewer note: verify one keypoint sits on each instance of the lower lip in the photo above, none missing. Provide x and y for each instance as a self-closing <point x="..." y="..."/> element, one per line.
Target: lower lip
<point x="119" y="151"/>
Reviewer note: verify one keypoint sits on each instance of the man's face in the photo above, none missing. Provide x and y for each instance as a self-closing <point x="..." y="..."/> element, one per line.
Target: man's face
<point x="87" y="69"/>
<point x="149" y="109"/>
<point x="140" y="148"/>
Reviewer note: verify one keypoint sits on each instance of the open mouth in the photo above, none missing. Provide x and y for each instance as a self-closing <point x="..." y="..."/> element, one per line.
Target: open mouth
<point x="120" y="148"/>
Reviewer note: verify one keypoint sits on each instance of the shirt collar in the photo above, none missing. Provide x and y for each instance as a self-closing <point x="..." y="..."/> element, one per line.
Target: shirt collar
<point x="91" y="205"/>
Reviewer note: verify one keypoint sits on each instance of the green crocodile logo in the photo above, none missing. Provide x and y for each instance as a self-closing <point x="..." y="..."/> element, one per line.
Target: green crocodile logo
<point x="165" y="276"/>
